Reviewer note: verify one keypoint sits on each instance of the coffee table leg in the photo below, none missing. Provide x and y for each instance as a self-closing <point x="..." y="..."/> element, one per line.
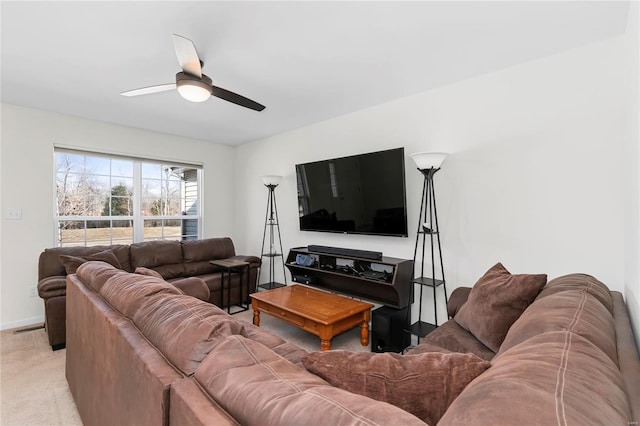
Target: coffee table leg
<point x="325" y="334"/>
<point x="326" y="345"/>
<point x="256" y="315"/>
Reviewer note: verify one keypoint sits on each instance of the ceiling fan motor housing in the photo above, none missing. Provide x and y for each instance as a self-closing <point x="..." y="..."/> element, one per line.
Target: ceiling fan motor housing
<point x="193" y="88"/>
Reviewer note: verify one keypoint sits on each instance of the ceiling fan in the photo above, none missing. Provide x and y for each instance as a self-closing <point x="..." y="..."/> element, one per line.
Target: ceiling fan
<point x="191" y="83"/>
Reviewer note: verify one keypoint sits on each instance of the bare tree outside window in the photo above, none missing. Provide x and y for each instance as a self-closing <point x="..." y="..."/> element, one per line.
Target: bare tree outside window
<point x="96" y="197"/>
<point x="76" y="190"/>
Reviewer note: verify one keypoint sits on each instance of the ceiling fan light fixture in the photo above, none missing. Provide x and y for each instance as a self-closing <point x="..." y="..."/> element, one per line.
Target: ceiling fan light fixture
<point x="191" y="84"/>
<point x="192" y="88"/>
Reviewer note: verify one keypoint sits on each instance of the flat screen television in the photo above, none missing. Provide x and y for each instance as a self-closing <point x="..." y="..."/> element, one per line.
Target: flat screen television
<point x="359" y="194"/>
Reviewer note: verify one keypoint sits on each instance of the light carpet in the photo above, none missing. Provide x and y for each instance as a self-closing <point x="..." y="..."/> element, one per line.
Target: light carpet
<point x="34" y="390"/>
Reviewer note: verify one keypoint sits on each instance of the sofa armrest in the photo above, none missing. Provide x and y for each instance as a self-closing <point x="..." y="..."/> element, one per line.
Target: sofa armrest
<point x="193" y="286"/>
<point x="458" y="297"/>
<point x="627" y="353"/>
<point x="254" y="261"/>
<point x="52" y="287"/>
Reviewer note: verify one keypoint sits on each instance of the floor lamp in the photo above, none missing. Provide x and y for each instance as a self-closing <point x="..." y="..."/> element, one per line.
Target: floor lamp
<point x="428" y="164"/>
<point x="272" y="227"/>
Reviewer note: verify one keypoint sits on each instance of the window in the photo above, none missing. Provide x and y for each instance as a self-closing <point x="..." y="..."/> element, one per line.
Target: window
<point x="106" y="200"/>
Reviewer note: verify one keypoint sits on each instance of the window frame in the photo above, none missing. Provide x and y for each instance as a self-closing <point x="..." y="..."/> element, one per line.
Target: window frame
<point x="138" y="219"/>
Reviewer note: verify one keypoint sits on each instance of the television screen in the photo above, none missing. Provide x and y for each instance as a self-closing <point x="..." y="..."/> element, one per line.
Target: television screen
<point x="359" y="194"/>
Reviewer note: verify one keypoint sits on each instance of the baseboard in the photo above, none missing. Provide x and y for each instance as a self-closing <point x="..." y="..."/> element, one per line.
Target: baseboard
<point x="22" y="323"/>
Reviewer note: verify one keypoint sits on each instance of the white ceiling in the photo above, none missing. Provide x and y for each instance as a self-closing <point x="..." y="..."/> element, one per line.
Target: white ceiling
<point x="306" y="61"/>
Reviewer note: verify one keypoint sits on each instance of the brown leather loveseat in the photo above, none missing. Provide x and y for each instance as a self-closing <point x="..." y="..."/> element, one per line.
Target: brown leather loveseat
<point x="173" y="260"/>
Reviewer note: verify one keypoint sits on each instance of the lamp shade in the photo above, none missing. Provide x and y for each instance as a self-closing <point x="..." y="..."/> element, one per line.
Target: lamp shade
<point x="271" y="180"/>
<point x="428" y="160"/>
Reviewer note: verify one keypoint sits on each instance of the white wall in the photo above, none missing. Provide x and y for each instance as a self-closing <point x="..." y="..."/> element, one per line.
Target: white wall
<point x="632" y="166"/>
<point x="27" y="170"/>
<point x="534" y="180"/>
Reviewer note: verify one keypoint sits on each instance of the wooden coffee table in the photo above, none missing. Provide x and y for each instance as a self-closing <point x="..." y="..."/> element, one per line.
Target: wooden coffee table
<point x="323" y="314"/>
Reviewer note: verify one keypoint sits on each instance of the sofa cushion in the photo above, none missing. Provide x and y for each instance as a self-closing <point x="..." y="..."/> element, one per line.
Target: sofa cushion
<point x="258" y="387"/>
<point x="426" y="347"/>
<point x="424" y="385"/>
<point x="580" y="282"/>
<point x="557" y="378"/>
<point x="495" y="302"/>
<point x="191" y="286"/>
<point x="49" y="263"/>
<point x="128" y="292"/>
<point x="200" y="268"/>
<point x="165" y="257"/>
<point x="207" y="249"/>
<point x="71" y="263"/>
<point x="290" y="351"/>
<point x="184" y="328"/>
<point x="571" y="308"/>
<point x="453" y="337"/>
<point x="95" y="274"/>
<point x="198" y="253"/>
<point x="194" y="287"/>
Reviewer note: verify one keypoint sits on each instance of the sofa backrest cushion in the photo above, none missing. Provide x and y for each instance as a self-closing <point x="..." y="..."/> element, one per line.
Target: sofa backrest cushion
<point x="557" y="378"/>
<point x="565" y="306"/>
<point x="50" y="265"/>
<point x="184" y="328"/>
<point x="164" y="257"/>
<point x="258" y="387"/>
<point x="198" y="253"/>
<point x="128" y="292"/>
<point x="495" y="303"/>
<point x="424" y="384"/>
<point x="95" y="274"/>
<point x="580" y="282"/>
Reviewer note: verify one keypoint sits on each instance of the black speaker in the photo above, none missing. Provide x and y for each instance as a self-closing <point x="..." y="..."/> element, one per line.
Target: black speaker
<point x="388" y="327"/>
<point x="339" y="251"/>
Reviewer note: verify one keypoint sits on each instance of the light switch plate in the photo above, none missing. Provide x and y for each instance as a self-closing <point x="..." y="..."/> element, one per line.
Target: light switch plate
<point x="14" y="213"/>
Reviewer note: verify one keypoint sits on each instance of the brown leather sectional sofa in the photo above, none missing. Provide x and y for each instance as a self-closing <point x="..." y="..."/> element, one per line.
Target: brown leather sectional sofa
<point x="140" y="352"/>
<point x="173" y="260"/>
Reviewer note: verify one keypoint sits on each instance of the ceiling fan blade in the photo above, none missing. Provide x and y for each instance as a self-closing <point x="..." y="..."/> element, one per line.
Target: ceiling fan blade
<point x="149" y="90"/>
<point x="235" y="98"/>
<point x="187" y="55"/>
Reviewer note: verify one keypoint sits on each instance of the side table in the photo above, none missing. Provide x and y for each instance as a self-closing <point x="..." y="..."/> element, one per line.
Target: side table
<point x="228" y="266"/>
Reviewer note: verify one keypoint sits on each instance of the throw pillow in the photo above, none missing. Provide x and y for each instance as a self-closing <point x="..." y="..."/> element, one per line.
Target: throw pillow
<point x="71" y="263"/>
<point x="424" y="385"/>
<point x="146" y="271"/>
<point x="495" y="302"/>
